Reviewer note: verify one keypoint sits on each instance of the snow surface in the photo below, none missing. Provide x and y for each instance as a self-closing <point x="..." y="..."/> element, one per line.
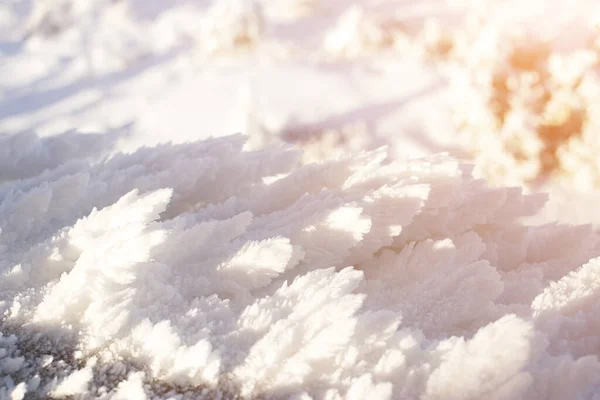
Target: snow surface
<point x="236" y="267"/>
<point x="256" y="276"/>
<point x="329" y="75"/>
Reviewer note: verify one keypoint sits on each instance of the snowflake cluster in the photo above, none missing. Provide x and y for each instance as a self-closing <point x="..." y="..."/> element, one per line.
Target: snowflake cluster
<point x="524" y="108"/>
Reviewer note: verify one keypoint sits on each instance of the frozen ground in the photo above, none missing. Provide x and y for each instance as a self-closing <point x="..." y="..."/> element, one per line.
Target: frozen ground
<point x="117" y="287"/>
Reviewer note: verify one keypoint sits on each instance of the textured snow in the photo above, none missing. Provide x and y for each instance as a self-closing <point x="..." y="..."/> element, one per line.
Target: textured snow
<point x="141" y="257"/>
<point x="184" y="270"/>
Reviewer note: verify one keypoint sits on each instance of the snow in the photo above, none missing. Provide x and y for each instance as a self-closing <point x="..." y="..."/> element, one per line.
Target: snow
<point x="337" y="279"/>
<point x="148" y="253"/>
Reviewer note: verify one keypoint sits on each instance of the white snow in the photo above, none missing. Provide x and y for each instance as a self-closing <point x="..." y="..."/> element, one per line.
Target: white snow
<point x="232" y="266"/>
<point x="336" y="280"/>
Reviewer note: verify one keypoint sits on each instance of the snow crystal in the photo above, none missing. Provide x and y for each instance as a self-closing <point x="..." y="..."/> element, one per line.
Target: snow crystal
<point x="182" y="271"/>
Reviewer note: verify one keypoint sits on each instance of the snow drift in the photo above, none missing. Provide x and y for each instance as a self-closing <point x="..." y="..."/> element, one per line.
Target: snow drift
<point x="204" y="271"/>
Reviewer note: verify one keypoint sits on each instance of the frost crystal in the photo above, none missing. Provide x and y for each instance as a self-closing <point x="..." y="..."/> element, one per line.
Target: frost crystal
<point x="204" y="271"/>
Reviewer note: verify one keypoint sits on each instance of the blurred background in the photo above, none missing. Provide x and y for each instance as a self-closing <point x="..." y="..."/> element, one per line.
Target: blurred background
<point x="512" y="86"/>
